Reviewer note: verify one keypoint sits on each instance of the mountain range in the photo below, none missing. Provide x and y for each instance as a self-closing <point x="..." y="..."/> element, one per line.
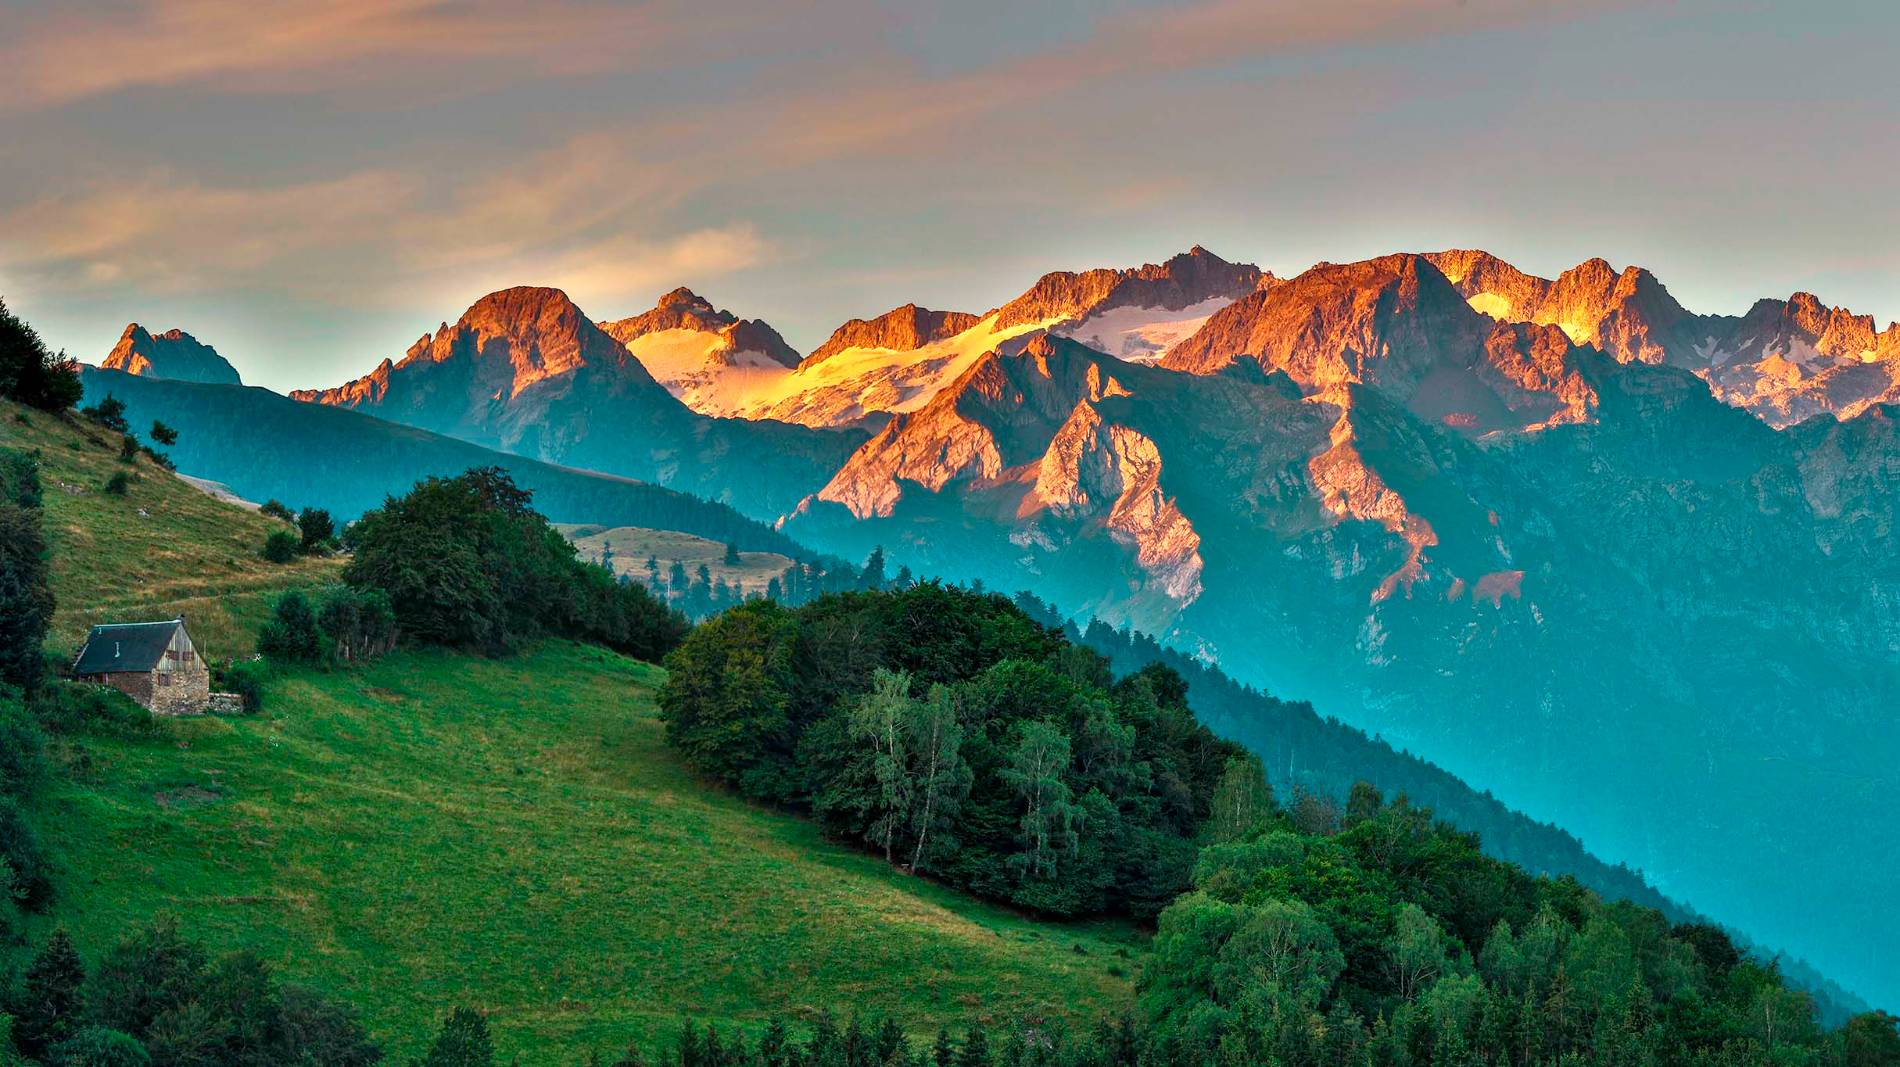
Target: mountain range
<point x="1624" y="565"/>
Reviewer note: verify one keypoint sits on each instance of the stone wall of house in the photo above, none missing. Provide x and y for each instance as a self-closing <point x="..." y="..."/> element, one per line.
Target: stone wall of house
<point x="184" y="690"/>
<point x="138" y="686"/>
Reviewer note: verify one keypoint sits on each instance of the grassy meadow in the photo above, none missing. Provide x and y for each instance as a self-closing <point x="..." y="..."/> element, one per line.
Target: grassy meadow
<point x="514" y="834"/>
<point x="162" y="549"/>
<point x="633" y="545"/>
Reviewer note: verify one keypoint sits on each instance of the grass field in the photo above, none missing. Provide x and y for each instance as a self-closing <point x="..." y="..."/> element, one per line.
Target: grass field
<point x="514" y="834"/>
<point x="164" y="548"/>
<point x="632" y="546"/>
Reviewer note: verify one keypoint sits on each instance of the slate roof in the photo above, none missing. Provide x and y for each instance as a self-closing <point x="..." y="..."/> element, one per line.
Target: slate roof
<point x="128" y="646"/>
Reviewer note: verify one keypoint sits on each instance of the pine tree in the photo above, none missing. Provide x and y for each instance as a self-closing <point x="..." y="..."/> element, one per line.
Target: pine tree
<point x="463" y="1042"/>
<point x="976" y="1048"/>
<point x="732" y="555"/>
<point x="52" y="1000"/>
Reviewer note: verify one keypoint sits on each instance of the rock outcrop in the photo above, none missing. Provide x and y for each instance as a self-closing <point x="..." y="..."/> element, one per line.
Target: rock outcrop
<point x="173" y="354"/>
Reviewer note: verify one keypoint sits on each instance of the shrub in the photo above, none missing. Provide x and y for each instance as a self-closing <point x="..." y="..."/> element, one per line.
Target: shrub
<point x="20" y="849"/>
<point x="75" y="707"/>
<point x="276" y="510"/>
<point x="96" y="1046"/>
<point x="116" y="485"/>
<point x="163" y="434"/>
<point x="291" y="635"/>
<point x="282" y="546"/>
<point x="245" y="678"/>
<point x="19" y="478"/>
<point x="128" y="448"/>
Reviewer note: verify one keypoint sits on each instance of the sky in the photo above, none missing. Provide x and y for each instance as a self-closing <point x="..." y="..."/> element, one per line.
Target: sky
<point x="311" y="187"/>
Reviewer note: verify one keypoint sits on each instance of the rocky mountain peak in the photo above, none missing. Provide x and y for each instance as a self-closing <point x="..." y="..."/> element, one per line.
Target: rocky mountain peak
<point x="1192" y="277"/>
<point x="901" y="329"/>
<point x="173" y="354"/>
<point x="683" y="309"/>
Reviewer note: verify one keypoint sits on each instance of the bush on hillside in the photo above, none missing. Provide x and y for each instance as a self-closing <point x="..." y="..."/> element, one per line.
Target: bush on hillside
<point x="30" y="373"/>
<point x="282" y="546"/>
<point x="128" y="448"/>
<point x="117" y="484"/>
<point x="81" y="707"/>
<point x="291" y="635"/>
<point x="244" y="678"/>
<point x="19" y="479"/>
<point x="22" y="749"/>
<point x="466" y="562"/>
<point x="276" y="510"/>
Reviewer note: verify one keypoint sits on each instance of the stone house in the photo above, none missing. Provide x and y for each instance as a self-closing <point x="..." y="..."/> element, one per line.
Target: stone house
<point x="154" y="663"/>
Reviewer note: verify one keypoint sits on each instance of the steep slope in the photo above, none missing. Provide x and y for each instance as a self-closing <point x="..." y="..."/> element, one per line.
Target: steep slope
<point x="1785" y="360"/>
<point x="172" y="354"/>
<point x="710" y="359"/>
<point x="525" y="371"/>
<point x="161" y="549"/>
<point x="262" y="445"/>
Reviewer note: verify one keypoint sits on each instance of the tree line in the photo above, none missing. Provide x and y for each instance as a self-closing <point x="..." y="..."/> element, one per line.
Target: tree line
<point x="948" y="732"/>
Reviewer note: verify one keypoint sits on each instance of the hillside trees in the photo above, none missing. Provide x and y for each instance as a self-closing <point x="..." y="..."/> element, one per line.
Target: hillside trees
<point x="466" y="562"/>
<point x="32" y="374"/>
<point x="948" y="732"/>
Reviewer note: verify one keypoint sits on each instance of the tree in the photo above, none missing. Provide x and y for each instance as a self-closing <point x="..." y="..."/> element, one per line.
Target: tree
<point x="881" y="720"/>
<point x="163" y="434"/>
<point x="943" y="775"/>
<point x="1418" y="952"/>
<point x="26" y="594"/>
<point x="1035" y="769"/>
<point x="1243" y="801"/>
<point x="276" y="510"/>
<point x="291" y="635"/>
<point x="51" y="1004"/>
<point x="463" y="1042"/>
<point x="873" y="575"/>
<point x="726" y="699"/>
<point x="357" y="624"/>
<point x="732" y="555"/>
<point x="316" y="528"/>
<point x="30" y="373"/>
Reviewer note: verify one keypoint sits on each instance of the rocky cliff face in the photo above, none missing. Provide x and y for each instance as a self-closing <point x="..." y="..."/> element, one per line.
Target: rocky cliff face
<point x="901" y="329"/>
<point x="1785" y="360"/>
<point x="173" y="354"/>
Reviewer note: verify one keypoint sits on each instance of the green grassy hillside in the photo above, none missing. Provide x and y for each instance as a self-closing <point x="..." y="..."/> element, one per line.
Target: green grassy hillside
<point x="514" y="834"/>
<point x="162" y="549"/>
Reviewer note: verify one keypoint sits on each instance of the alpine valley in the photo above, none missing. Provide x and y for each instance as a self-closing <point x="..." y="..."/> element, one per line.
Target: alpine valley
<point x="1624" y="565"/>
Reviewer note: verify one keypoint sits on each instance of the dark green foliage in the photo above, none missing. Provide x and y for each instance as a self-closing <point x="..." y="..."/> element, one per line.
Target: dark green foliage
<point x="20" y="851"/>
<point x="161" y="998"/>
<point x="22" y="749"/>
<point x="128" y="448"/>
<point x="118" y="483"/>
<point x="50" y="1005"/>
<point x="29" y="372"/>
<point x="80" y="707"/>
<point x="19" y="478"/>
<point x="291" y="635"/>
<point x="463" y="1042"/>
<point x="466" y="562"/>
<point x="276" y="510"/>
<point x="282" y="546"/>
<point x="26" y="591"/>
<point x="109" y="413"/>
<point x="316" y="527"/>
<point x="96" y="1046"/>
<point x="357" y="624"/>
<point x="732" y="555"/>
<point x="951" y="733"/>
<point x="163" y="434"/>
<point x="245" y="678"/>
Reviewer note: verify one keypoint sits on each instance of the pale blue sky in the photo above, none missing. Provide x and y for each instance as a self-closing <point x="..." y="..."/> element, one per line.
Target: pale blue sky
<point x="311" y="187"/>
